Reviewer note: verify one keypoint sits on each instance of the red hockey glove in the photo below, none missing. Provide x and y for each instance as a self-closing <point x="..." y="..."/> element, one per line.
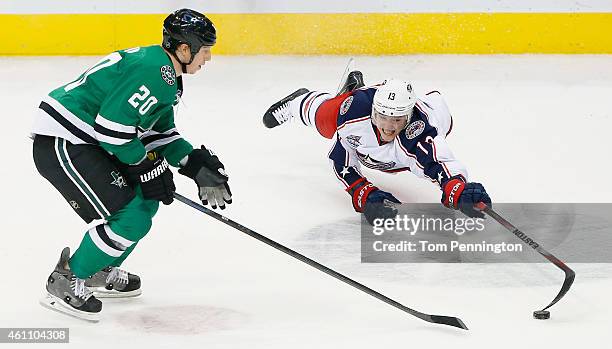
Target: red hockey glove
<point x="371" y="201"/>
<point x="463" y="196"/>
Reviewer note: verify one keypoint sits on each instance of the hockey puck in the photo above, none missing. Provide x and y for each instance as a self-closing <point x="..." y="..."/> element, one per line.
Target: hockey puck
<point x="541" y="314"/>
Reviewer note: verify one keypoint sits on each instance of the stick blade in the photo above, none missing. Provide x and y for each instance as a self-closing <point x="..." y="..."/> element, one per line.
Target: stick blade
<point x="448" y="320"/>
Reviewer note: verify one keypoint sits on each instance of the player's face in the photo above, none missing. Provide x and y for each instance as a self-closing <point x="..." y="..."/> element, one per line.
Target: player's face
<point x="203" y="56"/>
<point x="389" y="127"/>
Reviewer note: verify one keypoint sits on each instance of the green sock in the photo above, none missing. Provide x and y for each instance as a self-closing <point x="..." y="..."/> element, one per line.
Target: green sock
<point x="88" y="259"/>
<point x="117" y="262"/>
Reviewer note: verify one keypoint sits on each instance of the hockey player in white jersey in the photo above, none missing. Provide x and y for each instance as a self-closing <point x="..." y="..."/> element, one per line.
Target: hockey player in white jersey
<point x="387" y="128"/>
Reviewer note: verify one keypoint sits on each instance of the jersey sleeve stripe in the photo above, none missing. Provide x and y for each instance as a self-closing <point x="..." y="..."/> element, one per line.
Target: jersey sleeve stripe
<point x="114" y="126"/>
<point x="111" y="140"/>
<point x="101" y="130"/>
<point x="152" y="133"/>
<point x="151" y="137"/>
<point x="161" y="142"/>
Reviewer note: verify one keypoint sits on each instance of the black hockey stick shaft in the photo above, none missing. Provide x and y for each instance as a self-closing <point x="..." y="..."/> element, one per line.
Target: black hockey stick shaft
<point x="438" y="319"/>
<point x="569" y="273"/>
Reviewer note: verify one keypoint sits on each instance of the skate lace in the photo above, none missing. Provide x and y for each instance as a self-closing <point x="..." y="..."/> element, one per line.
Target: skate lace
<point x="78" y="287"/>
<point x="282" y="113"/>
<point x="117" y="275"/>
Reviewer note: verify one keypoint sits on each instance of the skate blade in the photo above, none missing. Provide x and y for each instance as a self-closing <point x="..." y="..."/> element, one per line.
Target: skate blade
<point x="102" y="292"/>
<point x="56" y="304"/>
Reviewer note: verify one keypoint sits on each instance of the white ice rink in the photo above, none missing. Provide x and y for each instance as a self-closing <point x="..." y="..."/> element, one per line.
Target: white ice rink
<point x="531" y="128"/>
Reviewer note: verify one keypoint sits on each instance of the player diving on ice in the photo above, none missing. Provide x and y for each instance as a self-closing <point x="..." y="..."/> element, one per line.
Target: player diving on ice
<point x="386" y="128"/>
<point x="105" y="141"/>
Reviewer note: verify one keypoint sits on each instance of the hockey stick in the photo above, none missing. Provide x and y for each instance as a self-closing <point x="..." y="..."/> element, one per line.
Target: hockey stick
<point x="438" y="319"/>
<point x="569" y="273"/>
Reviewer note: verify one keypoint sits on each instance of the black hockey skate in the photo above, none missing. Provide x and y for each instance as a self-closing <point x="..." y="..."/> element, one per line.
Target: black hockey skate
<point x="67" y="294"/>
<point x="112" y="282"/>
<point x="280" y="112"/>
<point x="354" y="80"/>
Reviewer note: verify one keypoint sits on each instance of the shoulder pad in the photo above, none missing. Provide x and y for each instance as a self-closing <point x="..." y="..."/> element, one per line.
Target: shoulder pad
<point x="417" y="130"/>
<point x="357" y="105"/>
<point x="433" y="99"/>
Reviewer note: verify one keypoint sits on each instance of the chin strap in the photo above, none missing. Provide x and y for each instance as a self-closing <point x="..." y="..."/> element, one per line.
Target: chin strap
<point x="183" y="65"/>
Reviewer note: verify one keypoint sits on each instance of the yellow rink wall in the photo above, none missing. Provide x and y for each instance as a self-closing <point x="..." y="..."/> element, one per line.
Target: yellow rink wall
<point x="310" y="33"/>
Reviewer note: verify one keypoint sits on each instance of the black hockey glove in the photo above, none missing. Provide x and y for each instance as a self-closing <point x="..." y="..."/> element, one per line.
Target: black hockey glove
<point x="463" y="196"/>
<point x="154" y="177"/>
<point x="373" y="202"/>
<point x="204" y="167"/>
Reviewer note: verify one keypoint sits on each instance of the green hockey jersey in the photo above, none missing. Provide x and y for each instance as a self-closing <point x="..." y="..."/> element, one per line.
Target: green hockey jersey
<point x="124" y="103"/>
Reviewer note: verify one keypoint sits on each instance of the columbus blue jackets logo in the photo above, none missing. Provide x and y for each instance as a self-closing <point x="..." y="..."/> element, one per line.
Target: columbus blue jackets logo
<point x="374" y="164"/>
<point x="344" y="107"/>
<point x="167" y="73"/>
<point x="415" y="129"/>
<point x="353" y="141"/>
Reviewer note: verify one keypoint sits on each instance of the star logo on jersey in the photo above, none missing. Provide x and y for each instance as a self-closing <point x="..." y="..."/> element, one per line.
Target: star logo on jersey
<point x="344" y="107"/>
<point x="167" y="73"/>
<point x="353" y="141"/>
<point x="118" y="179"/>
<point x="415" y="129"/>
<point x="440" y="177"/>
<point x="345" y="171"/>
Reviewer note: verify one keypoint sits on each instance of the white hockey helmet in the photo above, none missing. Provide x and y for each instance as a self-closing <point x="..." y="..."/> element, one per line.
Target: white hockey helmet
<point x="394" y="98"/>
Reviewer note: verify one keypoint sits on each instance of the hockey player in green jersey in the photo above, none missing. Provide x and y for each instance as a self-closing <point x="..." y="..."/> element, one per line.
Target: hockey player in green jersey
<point x="106" y="141"/>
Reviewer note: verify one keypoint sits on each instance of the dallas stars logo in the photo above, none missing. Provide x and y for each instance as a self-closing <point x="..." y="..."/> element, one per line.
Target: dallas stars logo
<point x="167" y="73"/>
<point x="118" y="179"/>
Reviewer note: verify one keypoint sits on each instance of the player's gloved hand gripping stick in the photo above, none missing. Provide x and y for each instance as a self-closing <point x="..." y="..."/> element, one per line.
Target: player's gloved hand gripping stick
<point x="462" y="196"/>
<point x="154" y="177"/>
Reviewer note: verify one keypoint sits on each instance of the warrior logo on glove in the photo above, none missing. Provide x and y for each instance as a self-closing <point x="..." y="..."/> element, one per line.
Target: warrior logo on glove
<point x="156" y="172"/>
<point x="154" y="177"/>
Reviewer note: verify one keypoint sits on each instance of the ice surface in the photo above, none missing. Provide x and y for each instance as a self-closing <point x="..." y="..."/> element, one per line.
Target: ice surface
<point x="531" y="128"/>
